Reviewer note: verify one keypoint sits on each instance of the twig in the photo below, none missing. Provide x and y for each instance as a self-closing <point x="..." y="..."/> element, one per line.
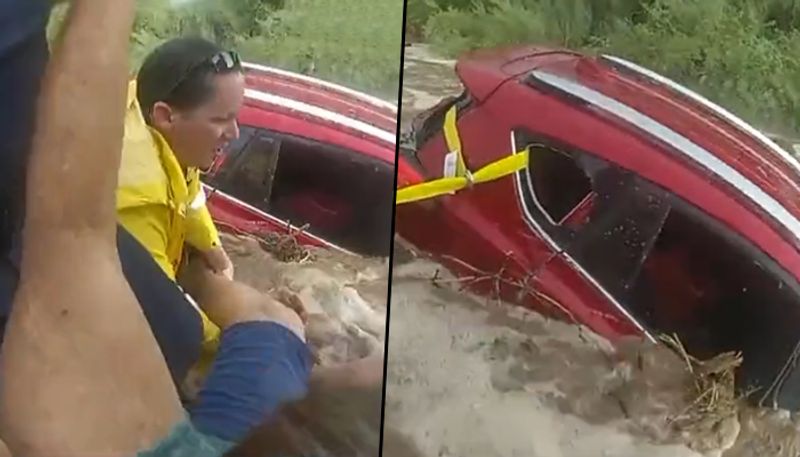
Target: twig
<point x="674" y="343"/>
<point x="780" y="379"/>
<point x="500" y="275"/>
<point x="234" y="229"/>
<point x="684" y="414"/>
<point x="284" y="246"/>
<point x="523" y="285"/>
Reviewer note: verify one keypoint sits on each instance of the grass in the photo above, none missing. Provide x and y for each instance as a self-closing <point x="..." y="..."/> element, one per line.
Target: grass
<point x="356" y="43"/>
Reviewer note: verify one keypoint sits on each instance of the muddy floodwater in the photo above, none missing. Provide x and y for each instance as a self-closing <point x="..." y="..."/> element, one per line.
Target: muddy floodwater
<point x="344" y="295"/>
<point x="426" y="80"/>
<point x="470" y="377"/>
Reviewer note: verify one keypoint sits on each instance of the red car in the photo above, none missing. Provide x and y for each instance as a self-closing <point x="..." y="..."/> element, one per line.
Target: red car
<point x="311" y="153"/>
<point x="643" y="208"/>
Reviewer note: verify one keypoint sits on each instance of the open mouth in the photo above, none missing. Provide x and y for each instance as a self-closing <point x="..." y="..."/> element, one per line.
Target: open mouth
<point x="217" y="157"/>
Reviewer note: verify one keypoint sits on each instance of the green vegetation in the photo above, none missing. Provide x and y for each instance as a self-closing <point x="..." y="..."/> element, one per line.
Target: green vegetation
<point x="352" y="42"/>
<point x="744" y="54"/>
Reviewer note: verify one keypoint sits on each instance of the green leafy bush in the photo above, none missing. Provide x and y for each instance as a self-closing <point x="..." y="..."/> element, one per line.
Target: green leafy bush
<point x="741" y="53"/>
<point x="354" y="42"/>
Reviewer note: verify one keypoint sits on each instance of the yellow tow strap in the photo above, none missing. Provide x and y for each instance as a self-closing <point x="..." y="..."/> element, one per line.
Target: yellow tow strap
<point x="463" y="178"/>
<point x="453" y="140"/>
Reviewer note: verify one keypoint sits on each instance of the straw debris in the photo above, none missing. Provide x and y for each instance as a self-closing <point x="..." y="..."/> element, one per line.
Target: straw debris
<point x="712" y="399"/>
<point x="284" y="246"/>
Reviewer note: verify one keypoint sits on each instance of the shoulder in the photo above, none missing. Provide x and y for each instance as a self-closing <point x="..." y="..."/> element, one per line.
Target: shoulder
<point x="142" y="179"/>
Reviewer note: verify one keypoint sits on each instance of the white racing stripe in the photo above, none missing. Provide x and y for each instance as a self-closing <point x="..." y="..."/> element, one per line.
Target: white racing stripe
<point x="722" y="112"/>
<point x="322" y="113"/>
<point x="680" y="143"/>
<point x="346" y="90"/>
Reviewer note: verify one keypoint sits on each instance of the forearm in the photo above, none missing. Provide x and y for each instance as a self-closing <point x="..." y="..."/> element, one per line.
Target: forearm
<point x="76" y="331"/>
<point x="79" y="128"/>
<point x="227" y="302"/>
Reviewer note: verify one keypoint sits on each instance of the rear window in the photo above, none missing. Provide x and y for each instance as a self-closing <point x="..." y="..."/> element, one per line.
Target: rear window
<point x="430" y="123"/>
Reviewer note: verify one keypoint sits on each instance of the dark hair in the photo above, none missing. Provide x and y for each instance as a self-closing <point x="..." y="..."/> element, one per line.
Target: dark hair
<point x="327" y="423"/>
<point x="174" y="74"/>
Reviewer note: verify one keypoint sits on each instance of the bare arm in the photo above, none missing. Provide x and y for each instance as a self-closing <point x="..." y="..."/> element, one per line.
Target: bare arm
<point x="83" y="373"/>
<point x="76" y="151"/>
<point x="227" y="302"/>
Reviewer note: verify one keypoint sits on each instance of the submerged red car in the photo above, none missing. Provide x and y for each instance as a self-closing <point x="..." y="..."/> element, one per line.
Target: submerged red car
<point x="310" y="154"/>
<point x="644" y="208"/>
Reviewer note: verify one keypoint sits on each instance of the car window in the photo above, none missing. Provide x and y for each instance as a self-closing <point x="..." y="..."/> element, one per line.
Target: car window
<point x="249" y="175"/>
<point x="559" y="183"/>
<point x="620" y="214"/>
<point x="221" y="164"/>
<point x="553" y="186"/>
<point x="430" y="123"/>
<point x="246" y="133"/>
<point x="622" y="226"/>
<point x="344" y="196"/>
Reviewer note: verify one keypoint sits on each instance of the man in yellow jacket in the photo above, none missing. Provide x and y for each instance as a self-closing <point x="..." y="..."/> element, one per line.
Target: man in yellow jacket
<point x="181" y="112"/>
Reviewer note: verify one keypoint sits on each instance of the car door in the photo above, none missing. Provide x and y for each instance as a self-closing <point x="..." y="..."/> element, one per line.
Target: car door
<point x="477" y="232"/>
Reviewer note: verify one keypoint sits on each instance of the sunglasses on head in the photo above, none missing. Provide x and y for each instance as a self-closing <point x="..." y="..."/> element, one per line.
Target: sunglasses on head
<point x="219" y="62"/>
<point x="225" y="60"/>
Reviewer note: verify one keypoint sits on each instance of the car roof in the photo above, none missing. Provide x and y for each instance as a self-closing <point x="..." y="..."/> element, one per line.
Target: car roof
<point x="651" y="105"/>
<point x="342" y="111"/>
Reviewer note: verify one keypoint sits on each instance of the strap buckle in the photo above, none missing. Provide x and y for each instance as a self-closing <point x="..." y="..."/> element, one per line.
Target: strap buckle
<point x="470" y="179"/>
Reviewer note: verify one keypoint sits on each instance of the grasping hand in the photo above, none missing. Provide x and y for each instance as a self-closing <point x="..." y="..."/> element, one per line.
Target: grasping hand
<point x="218" y="261"/>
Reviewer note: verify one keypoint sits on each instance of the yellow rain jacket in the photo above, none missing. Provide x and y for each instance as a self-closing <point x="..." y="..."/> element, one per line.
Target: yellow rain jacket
<point x="160" y="205"/>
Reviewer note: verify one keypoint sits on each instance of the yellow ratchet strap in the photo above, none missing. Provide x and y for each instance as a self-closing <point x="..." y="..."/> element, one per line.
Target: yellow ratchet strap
<point x="463" y="178"/>
<point x="453" y="140"/>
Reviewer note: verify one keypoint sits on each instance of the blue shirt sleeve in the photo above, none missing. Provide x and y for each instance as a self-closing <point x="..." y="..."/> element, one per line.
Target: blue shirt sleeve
<point x="23" y="55"/>
<point x="185" y="441"/>
<point x="21" y="19"/>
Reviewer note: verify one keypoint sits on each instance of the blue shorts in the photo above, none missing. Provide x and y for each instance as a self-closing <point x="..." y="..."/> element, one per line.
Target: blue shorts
<point x="259" y="367"/>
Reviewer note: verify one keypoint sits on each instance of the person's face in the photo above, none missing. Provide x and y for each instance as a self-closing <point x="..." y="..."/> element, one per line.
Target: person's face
<point x="198" y="135"/>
